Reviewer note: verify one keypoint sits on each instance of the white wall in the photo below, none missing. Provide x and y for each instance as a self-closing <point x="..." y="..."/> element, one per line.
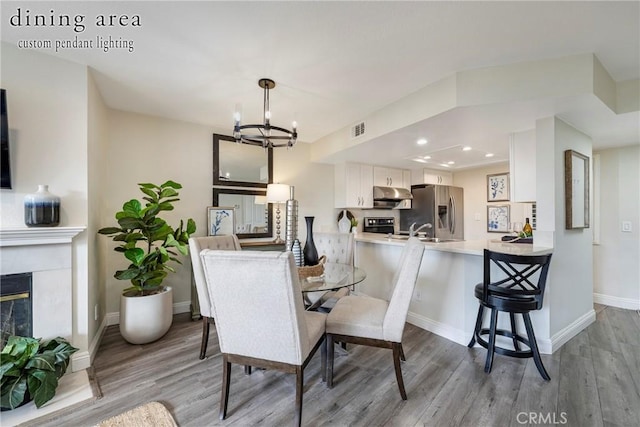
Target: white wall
<point x="47" y="107"/>
<point x="474" y="182"/>
<point x="152" y="149"/>
<point x="570" y="281"/>
<point x="616" y="271"/>
<point x="97" y="140"/>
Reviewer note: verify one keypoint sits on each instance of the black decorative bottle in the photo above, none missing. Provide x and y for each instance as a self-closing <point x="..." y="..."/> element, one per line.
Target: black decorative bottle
<point x="310" y="252"/>
<point x="41" y="209"/>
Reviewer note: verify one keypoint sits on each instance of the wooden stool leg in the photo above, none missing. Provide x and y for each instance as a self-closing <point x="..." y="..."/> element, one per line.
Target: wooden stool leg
<point x="492" y="340"/>
<point x="516" y="345"/>
<point x="534" y="347"/>
<point x="323" y="359"/>
<point x="477" y="327"/>
<point x="402" y="357"/>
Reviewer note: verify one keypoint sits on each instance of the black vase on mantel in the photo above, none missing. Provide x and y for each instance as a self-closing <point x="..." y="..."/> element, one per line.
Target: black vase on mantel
<point x="310" y="252"/>
<point x="41" y="209"/>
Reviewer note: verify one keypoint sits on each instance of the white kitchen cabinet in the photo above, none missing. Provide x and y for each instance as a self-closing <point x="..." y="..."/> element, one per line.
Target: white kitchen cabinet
<point x="522" y="166"/>
<point x="353" y="185"/>
<point x="432" y="176"/>
<point x="387" y="177"/>
<point x="406" y="183"/>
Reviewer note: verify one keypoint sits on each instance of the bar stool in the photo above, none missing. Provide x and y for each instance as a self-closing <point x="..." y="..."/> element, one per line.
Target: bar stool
<point x="520" y="292"/>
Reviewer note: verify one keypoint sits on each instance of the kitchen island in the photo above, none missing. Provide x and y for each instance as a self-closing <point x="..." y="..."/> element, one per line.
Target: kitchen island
<point x="443" y="301"/>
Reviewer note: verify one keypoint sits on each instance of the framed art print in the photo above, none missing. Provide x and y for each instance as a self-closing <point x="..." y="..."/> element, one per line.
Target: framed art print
<point x="220" y="220"/>
<point x="498" y="219"/>
<point x="498" y="187"/>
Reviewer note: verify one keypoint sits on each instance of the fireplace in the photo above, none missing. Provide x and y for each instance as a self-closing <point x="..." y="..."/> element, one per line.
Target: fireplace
<point x="15" y="306"/>
<point x="45" y="255"/>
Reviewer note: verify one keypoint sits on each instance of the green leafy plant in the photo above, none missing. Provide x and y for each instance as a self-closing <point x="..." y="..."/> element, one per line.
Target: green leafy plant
<point x="161" y="243"/>
<point x="30" y="369"/>
<point x="354" y="223"/>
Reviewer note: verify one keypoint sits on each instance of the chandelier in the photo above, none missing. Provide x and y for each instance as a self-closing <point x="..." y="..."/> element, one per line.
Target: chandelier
<point x="264" y="135"/>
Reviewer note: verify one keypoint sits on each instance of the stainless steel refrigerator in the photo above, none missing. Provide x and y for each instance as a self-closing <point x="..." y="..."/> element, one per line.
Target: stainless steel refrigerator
<point x="439" y="205"/>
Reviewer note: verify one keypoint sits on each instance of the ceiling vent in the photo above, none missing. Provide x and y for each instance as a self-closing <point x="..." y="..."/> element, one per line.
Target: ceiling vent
<point x="357" y="130"/>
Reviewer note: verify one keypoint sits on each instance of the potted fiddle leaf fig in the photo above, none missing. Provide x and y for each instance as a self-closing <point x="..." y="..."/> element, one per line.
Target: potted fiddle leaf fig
<point x="30" y="370"/>
<point x="150" y="245"/>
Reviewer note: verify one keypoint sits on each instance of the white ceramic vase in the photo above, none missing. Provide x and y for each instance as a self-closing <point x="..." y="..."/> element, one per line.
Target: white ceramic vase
<point x="344" y="225"/>
<point x="144" y="319"/>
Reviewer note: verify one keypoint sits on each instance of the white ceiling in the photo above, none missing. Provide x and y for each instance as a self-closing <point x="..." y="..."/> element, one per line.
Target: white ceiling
<point x="334" y="63"/>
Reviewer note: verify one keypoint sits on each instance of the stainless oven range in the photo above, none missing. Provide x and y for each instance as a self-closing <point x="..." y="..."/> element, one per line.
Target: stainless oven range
<point x="384" y="225"/>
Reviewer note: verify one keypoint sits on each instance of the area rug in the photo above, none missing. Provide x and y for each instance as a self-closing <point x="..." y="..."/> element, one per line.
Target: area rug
<point x="152" y="414"/>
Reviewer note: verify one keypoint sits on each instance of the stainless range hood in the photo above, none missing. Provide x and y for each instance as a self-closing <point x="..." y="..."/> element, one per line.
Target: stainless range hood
<point x="389" y="197"/>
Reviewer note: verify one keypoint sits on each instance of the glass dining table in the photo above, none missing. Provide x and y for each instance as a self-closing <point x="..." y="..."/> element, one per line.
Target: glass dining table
<point x="334" y="277"/>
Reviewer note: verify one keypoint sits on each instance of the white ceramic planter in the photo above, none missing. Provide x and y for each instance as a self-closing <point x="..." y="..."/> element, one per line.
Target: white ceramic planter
<point x="146" y="319"/>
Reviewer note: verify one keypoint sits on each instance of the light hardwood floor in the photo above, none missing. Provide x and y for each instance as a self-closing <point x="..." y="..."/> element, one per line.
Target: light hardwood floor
<point x="595" y="381"/>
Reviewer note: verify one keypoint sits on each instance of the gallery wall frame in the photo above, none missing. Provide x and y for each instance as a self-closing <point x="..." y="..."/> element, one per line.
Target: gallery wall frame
<point x="220" y="221"/>
<point x="498" y="218"/>
<point x="576" y="190"/>
<point x="498" y="187"/>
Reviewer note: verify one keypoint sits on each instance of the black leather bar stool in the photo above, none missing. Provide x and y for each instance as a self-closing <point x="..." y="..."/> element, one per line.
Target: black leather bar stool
<point x="520" y="292"/>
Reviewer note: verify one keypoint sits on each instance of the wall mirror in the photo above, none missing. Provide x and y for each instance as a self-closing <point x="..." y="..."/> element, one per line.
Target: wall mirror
<point x="576" y="188"/>
<point x="253" y="216"/>
<point x="240" y="164"/>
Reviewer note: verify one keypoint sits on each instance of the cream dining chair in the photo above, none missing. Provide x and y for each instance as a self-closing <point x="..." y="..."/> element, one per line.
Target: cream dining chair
<point x="336" y="247"/>
<point x="375" y="322"/>
<point x="196" y="245"/>
<point x="263" y="322"/>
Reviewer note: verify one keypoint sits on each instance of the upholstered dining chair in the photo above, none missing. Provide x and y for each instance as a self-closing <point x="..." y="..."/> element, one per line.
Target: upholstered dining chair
<point x="375" y="322"/>
<point x="336" y="247"/>
<point x="263" y="322"/>
<point x="196" y="245"/>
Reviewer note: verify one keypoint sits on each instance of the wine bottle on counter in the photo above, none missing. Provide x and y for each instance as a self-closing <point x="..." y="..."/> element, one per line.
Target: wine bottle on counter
<point x="527" y="230"/>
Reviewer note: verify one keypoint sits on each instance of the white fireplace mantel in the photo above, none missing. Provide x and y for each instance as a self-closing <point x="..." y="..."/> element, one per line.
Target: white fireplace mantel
<point x="24" y="236"/>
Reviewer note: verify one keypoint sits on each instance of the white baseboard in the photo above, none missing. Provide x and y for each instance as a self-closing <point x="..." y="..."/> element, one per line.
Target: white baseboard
<point x="626" y="303"/>
<point x="113" y="318"/>
<point x="445" y="331"/>
<point x="560" y="338"/>
<point x="84" y="359"/>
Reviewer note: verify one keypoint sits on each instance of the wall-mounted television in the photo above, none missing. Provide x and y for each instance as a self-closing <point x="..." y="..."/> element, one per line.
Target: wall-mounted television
<point x="5" y="164"/>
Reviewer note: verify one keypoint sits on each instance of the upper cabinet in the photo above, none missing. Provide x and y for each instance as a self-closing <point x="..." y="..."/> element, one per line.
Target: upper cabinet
<point x="432" y="176"/>
<point x="353" y="186"/>
<point x="388" y="177"/>
<point x="406" y="183"/>
<point x="522" y="166"/>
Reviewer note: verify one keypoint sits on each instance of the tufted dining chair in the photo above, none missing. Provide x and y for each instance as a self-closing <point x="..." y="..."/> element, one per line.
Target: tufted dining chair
<point x="196" y="245"/>
<point x="375" y="322"/>
<point x="263" y="322"/>
<point x="336" y="247"/>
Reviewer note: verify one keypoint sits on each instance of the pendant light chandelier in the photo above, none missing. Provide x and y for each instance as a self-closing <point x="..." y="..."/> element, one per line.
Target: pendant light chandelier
<point x="265" y="135"/>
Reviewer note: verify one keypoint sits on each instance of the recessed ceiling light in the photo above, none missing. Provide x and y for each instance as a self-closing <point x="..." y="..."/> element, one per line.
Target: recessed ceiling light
<point x="444" y="164"/>
<point x="421" y="141"/>
<point x="489" y="155"/>
<point x="427" y="157"/>
<point x="467" y="148"/>
<point x="451" y="163"/>
<point x="419" y="160"/>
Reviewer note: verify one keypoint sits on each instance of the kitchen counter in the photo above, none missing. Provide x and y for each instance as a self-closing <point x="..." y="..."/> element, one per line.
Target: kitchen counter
<point x="443" y="301"/>
<point x="468" y="247"/>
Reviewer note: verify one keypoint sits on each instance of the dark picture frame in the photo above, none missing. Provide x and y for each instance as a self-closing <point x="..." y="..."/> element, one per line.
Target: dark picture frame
<point x="576" y="190"/>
